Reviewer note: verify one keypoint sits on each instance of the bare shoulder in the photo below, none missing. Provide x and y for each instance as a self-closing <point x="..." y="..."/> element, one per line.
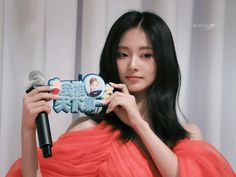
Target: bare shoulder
<point x="194" y="130"/>
<point x="81" y="123"/>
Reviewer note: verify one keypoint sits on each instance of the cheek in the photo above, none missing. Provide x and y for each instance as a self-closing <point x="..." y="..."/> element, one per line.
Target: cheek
<point x="121" y="66"/>
<point x="154" y="70"/>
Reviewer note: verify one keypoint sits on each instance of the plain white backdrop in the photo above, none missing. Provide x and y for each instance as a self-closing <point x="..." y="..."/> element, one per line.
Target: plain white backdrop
<point x="64" y="38"/>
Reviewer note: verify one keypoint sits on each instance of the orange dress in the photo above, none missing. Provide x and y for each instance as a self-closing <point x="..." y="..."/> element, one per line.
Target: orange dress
<point x="96" y="152"/>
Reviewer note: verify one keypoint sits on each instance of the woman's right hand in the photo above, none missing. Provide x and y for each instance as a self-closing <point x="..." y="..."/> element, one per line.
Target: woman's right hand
<point x="35" y="102"/>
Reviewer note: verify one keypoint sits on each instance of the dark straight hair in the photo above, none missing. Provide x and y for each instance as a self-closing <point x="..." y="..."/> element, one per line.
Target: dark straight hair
<point x="163" y="93"/>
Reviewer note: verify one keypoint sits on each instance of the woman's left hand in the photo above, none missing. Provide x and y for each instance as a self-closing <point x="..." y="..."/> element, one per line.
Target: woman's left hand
<point x="124" y="105"/>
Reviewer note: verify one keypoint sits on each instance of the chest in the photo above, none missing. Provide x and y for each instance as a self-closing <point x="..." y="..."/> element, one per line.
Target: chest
<point x="128" y="159"/>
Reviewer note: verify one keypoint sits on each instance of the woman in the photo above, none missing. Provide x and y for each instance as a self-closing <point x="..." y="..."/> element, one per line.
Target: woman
<point x="139" y="133"/>
<point x="94" y="87"/>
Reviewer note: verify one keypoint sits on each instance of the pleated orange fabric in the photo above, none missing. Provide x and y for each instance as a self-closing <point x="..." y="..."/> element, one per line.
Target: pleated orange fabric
<point x="96" y="152"/>
<point x="92" y="152"/>
<point x="199" y="159"/>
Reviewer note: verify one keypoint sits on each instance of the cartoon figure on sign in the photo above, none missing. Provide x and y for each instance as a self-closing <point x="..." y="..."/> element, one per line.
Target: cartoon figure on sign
<point x="94" y="89"/>
<point x="56" y="85"/>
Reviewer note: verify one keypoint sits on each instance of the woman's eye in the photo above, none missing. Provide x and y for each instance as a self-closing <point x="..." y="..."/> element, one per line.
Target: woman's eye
<point x="147" y="55"/>
<point x="121" y="55"/>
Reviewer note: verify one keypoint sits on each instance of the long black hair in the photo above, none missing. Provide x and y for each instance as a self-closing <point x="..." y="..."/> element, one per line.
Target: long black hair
<point x="163" y="93"/>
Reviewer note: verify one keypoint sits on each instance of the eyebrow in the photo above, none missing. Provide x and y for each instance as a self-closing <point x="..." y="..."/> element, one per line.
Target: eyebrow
<point x="143" y="47"/>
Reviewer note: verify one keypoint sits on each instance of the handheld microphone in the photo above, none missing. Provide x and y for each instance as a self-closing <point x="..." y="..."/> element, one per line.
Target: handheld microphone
<point x="36" y="78"/>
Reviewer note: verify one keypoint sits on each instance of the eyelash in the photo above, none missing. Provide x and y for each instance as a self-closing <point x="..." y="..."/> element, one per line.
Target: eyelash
<point x="123" y="55"/>
<point x="147" y="55"/>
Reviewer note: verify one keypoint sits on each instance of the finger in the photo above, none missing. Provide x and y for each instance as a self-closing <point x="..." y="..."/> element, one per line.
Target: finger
<point x="40" y="103"/>
<point x="110" y="107"/>
<point x="40" y="89"/>
<point x="43" y="96"/>
<point x="123" y="87"/>
<point x="37" y="107"/>
<point x="31" y="106"/>
<point x="117" y="102"/>
<point x="116" y="94"/>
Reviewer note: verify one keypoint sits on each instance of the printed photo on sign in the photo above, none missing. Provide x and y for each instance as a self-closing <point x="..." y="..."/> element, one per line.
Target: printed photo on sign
<point x="94" y="85"/>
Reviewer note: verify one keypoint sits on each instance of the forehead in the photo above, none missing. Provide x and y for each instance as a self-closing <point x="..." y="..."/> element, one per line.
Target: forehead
<point x="135" y="37"/>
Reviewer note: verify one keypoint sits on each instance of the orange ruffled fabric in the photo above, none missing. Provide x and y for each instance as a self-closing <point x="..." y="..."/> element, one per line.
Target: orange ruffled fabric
<point x="92" y="152"/>
<point x="96" y="152"/>
<point x="199" y="159"/>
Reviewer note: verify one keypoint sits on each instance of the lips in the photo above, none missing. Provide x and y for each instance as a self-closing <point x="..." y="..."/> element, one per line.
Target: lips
<point x="133" y="78"/>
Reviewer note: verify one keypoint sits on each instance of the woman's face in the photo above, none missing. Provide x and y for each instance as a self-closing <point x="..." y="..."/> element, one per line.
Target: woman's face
<point x="135" y="62"/>
<point x="93" y="86"/>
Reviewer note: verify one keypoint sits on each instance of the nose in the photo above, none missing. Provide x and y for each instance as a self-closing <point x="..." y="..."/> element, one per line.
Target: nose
<point x="133" y="63"/>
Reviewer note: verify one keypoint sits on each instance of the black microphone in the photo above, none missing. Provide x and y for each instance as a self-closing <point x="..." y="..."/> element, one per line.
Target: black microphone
<point x="36" y="78"/>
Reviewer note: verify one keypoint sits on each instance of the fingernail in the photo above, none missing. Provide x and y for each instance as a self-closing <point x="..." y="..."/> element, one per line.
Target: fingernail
<point x="56" y="96"/>
<point x="104" y="101"/>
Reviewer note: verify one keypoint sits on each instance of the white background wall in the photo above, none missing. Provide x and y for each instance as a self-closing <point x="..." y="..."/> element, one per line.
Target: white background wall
<point x="34" y="35"/>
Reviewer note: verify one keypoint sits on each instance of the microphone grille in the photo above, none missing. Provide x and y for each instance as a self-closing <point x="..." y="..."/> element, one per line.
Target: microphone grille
<point x="36" y="78"/>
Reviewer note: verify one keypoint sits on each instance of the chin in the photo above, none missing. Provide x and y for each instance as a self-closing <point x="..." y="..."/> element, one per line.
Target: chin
<point x="136" y="89"/>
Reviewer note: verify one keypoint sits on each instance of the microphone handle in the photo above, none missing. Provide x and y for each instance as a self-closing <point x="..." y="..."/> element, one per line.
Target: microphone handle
<point x="43" y="130"/>
<point x="44" y="134"/>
